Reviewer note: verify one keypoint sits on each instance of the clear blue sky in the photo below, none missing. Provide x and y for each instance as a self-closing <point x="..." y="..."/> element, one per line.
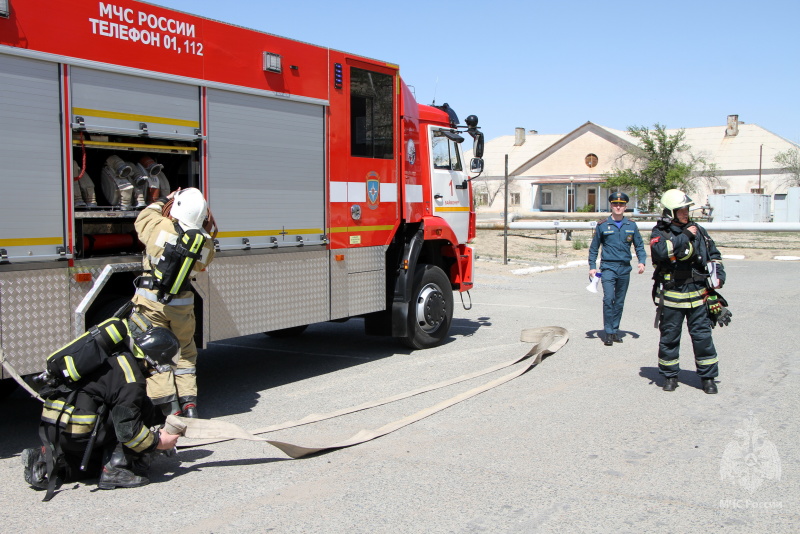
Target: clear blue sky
<point x="551" y="66"/>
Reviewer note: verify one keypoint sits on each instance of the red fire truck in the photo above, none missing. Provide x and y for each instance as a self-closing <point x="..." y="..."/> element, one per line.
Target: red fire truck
<point x="337" y="195"/>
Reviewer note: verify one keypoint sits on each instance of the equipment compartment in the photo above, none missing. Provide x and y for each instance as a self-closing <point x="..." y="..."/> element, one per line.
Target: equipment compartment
<point x="120" y="175"/>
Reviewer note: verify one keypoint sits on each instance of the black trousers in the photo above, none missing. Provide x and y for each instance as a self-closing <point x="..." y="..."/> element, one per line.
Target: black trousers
<point x="699" y="324"/>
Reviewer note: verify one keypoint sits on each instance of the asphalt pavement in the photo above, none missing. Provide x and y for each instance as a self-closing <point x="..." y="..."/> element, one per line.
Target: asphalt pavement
<point x="585" y="442"/>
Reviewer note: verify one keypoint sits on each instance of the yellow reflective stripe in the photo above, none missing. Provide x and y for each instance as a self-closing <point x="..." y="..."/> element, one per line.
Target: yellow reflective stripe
<point x="140" y="437"/>
<point x="196" y="246"/>
<point x="262" y="233"/>
<point x="31" y="241"/>
<point x="683" y="305"/>
<point x="126" y="368"/>
<point x="113" y="333"/>
<point x="143" y="440"/>
<point x="466" y="208"/>
<point x="686" y="295"/>
<point x="670" y="248"/>
<point x="667" y="363"/>
<point x="139" y="320"/>
<point x="689" y="253"/>
<point x="708" y="362"/>
<point x="56" y="404"/>
<point x="137" y="352"/>
<point x="69" y="362"/>
<point x="106" y="114"/>
<point x="83" y="419"/>
<point x="57" y="411"/>
<point x="360" y="229"/>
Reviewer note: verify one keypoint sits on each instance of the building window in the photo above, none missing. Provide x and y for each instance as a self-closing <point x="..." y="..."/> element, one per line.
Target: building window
<point x="482" y="199"/>
<point x="547" y="198"/>
<point x="590" y="160"/>
<point x="513" y="199"/>
<point x="718" y="191"/>
<point x="757" y="190"/>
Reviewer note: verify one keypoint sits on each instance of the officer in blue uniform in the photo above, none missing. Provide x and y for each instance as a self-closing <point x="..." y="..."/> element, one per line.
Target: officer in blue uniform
<point x="616" y="235"/>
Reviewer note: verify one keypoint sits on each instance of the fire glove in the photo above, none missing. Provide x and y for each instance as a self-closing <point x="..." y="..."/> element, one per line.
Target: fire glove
<point x="723" y="318"/>
<point x="717" y="311"/>
<point x="714" y="306"/>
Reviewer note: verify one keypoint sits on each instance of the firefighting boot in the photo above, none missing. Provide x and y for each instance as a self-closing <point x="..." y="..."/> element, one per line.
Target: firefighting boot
<point x="709" y="386"/>
<point x="117" y="472"/>
<point x="170" y="408"/>
<point x="140" y="465"/>
<point x="34" y="467"/>
<point x="671" y="383"/>
<point x="189" y="405"/>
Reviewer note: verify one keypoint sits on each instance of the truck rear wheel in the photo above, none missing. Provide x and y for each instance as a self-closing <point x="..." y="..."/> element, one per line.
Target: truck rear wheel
<point x="430" y="311"/>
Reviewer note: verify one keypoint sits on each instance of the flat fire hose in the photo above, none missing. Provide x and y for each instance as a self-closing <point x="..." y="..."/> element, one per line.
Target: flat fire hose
<point x="547" y="340"/>
<point x="10" y="370"/>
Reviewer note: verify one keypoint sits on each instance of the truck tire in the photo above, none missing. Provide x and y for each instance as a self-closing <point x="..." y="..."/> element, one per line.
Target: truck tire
<point x="430" y="311"/>
<point x="293" y="331"/>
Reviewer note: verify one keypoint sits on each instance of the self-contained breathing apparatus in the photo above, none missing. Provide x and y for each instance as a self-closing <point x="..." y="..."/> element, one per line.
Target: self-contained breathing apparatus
<point x="684" y="266"/>
<point x="172" y="273"/>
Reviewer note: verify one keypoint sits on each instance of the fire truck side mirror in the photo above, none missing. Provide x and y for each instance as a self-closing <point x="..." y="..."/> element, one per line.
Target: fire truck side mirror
<point x="476" y="165"/>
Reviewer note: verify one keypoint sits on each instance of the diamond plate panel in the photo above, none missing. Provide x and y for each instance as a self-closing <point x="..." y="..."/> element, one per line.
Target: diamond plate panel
<point x="358" y="284"/>
<point x="79" y="290"/>
<point x="339" y="290"/>
<point x="34" y="316"/>
<point x="367" y="292"/>
<point x="258" y="293"/>
<point x="365" y="259"/>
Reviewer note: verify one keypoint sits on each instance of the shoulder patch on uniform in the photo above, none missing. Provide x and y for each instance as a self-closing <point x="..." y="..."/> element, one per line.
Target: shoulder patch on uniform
<point x="655" y="240"/>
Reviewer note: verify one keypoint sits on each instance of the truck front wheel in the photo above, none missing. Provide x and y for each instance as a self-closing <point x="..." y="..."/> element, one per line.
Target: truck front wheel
<point x="430" y="311"/>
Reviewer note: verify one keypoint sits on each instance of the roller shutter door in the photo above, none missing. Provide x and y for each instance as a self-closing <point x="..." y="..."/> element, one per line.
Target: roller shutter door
<point x="266" y="169"/>
<point x="109" y="102"/>
<point x="31" y="206"/>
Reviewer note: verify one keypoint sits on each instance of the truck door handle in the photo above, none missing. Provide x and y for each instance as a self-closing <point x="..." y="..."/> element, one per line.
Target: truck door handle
<point x="437" y="197"/>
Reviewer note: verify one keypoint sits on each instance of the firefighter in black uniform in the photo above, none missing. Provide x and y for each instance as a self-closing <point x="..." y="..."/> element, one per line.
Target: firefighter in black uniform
<point x="688" y="271"/>
<point x="101" y="423"/>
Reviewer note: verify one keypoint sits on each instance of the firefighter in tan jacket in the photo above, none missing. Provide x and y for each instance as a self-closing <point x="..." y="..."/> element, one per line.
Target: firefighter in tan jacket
<point x="176" y="246"/>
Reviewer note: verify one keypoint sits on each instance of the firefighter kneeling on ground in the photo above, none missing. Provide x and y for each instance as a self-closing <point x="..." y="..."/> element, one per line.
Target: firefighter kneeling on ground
<point x="688" y="272"/>
<point x="176" y="246"/>
<point x="97" y="418"/>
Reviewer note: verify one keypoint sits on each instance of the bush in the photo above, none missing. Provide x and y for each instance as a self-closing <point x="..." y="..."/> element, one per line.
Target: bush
<point x="580" y="243"/>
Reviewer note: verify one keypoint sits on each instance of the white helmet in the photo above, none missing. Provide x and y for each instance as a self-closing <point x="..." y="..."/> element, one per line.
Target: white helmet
<point x="189" y="208"/>
<point x="673" y="200"/>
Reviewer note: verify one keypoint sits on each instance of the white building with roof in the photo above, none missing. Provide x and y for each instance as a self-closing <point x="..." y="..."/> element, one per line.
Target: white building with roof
<point x="565" y="173"/>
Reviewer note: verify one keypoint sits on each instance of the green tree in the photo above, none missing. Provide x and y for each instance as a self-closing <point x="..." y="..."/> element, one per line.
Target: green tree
<point x="789" y="162"/>
<point x="661" y="161"/>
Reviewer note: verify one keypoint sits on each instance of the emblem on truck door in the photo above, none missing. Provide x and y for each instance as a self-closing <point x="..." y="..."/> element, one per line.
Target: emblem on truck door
<point x="373" y="190"/>
<point x="411" y="152"/>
